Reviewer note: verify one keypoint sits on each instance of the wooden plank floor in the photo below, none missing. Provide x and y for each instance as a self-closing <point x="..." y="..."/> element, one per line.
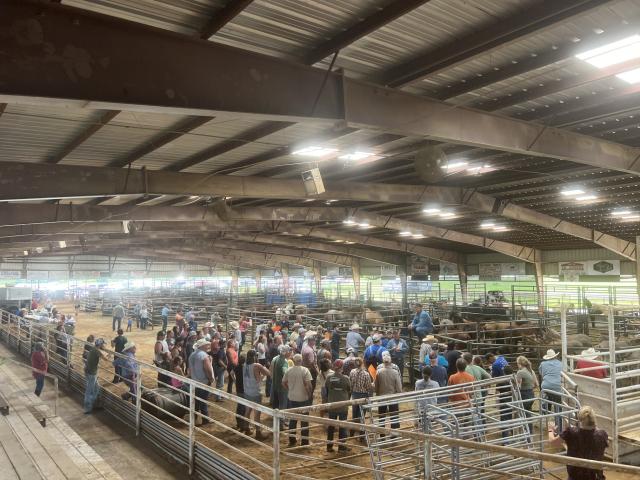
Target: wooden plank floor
<point x="33" y="452"/>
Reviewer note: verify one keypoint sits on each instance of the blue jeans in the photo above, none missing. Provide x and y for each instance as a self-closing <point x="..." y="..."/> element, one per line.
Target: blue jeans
<point x="91" y="392"/>
<point x="548" y="407"/>
<point x="219" y="373"/>
<point x="342" y="432"/>
<point x="356" y="411"/>
<point x="422" y="332"/>
<point x="293" y="424"/>
<point x="201" y="405"/>
<point x="527" y="404"/>
<point x="165" y="322"/>
<point x="117" y="320"/>
<point x="39" y="385"/>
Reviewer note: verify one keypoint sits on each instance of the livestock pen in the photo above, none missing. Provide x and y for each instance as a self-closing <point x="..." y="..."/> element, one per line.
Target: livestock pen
<point x="444" y="441"/>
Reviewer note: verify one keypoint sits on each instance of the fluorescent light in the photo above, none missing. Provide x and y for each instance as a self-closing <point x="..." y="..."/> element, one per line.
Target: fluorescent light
<point x="315" y="151"/>
<point x="500" y="228"/>
<point x="613" y="53"/>
<point x="572" y="191"/>
<point x="454" y="165"/>
<point x="349" y="243"/>
<point x="26" y="252"/>
<point x="405" y="234"/>
<point x="338" y="241"/>
<point x="349" y="221"/>
<point x="487" y="225"/>
<point x="431" y="210"/>
<point x="447" y="215"/>
<point x="417" y="235"/>
<point x="364" y="225"/>
<point x="625" y="211"/>
<point x="630" y="218"/>
<point x="632" y="76"/>
<point x="585" y="198"/>
<point x="62" y="244"/>
<point x="355" y="156"/>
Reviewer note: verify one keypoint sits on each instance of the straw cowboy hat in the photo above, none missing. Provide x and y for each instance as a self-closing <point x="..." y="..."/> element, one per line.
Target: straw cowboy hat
<point x="590" y="353"/>
<point x="355" y="326"/>
<point x="200" y="343"/>
<point x="128" y="346"/>
<point x="235" y="325"/>
<point x="551" y="353"/>
<point x="429" y="339"/>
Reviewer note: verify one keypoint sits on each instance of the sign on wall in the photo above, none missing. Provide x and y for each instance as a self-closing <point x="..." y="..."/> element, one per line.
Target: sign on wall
<point x="388" y="271"/>
<point x="333" y="271"/>
<point x="571" y="271"/>
<point x="494" y="271"/>
<point x="419" y="266"/>
<point x="6" y="274"/>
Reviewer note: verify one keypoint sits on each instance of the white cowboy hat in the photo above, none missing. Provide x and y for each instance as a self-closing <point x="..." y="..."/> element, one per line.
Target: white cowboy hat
<point x="200" y="343"/>
<point x="311" y="335"/>
<point x="128" y="346"/>
<point x="355" y="326"/>
<point x="429" y="338"/>
<point x="235" y="325"/>
<point x="551" y="353"/>
<point x="590" y="353"/>
<point x="376" y="338"/>
<point x="208" y="325"/>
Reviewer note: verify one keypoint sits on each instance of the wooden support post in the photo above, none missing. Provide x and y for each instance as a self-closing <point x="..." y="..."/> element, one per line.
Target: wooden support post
<point x="235" y="280"/>
<point x="284" y="269"/>
<point x="317" y="276"/>
<point x="462" y="276"/>
<point x="355" y="276"/>
<point x="539" y="287"/>
<point x="258" y="280"/>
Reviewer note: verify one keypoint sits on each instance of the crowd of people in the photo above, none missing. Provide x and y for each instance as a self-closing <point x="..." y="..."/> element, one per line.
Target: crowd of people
<point x="292" y="367"/>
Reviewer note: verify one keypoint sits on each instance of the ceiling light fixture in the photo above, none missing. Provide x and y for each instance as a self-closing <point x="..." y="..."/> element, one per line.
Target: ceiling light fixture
<point x="617" y="213"/>
<point x="405" y="234"/>
<point x="357" y="155"/>
<point x="417" y="235"/>
<point x="62" y="244"/>
<point x="630" y="218"/>
<point x="570" y="192"/>
<point x="364" y="225"/>
<point x="431" y="210"/>
<point x="315" y="151"/>
<point x="487" y="225"/>
<point x="447" y="215"/>
<point x="613" y="53"/>
<point x="349" y="221"/>
<point x="587" y="198"/>
<point x="25" y="252"/>
<point x="632" y="76"/>
<point x="455" y="165"/>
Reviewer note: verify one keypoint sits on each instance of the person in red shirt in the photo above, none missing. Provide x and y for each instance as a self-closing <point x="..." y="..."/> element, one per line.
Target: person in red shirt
<point x="39" y="364"/>
<point x="587" y="361"/>
<point x="459" y="378"/>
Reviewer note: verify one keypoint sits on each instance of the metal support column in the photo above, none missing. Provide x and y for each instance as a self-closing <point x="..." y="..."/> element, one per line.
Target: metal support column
<point x="563" y="336"/>
<point x="614" y="389"/>
<point x="462" y="276"/>
<point x="138" y="397"/>
<point x="638" y="268"/>
<point x="192" y="425"/>
<point x="276" y="445"/>
<point x="355" y="276"/>
<point x="259" y="280"/>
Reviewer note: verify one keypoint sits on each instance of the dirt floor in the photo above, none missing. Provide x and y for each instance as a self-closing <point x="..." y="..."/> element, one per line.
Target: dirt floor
<point x="239" y="448"/>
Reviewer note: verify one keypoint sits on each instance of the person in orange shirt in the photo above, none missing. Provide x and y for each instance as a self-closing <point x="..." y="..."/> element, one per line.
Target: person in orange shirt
<point x="459" y="378"/>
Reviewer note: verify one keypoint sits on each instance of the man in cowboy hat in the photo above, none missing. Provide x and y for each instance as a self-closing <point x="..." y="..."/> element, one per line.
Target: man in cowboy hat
<point x="595" y="369"/>
<point x="354" y="339"/>
<point x="128" y="367"/>
<point x="425" y="350"/>
<point x="201" y="370"/>
<point x="551" y="380"/>
<point x="237" y="334"/>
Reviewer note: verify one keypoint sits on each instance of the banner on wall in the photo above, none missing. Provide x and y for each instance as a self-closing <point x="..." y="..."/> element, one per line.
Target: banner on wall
<point x="387" y="271"/>
<point x="419" y="266"/>
<point x="37" y="275"/>
<point x="494" y="271"/>
<point x="434" y="272"/>
<point x="7" y="274"/>
<point x="571" y="271"/>
<point x="448" y="269"/>
<point x="333" y="271"/>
